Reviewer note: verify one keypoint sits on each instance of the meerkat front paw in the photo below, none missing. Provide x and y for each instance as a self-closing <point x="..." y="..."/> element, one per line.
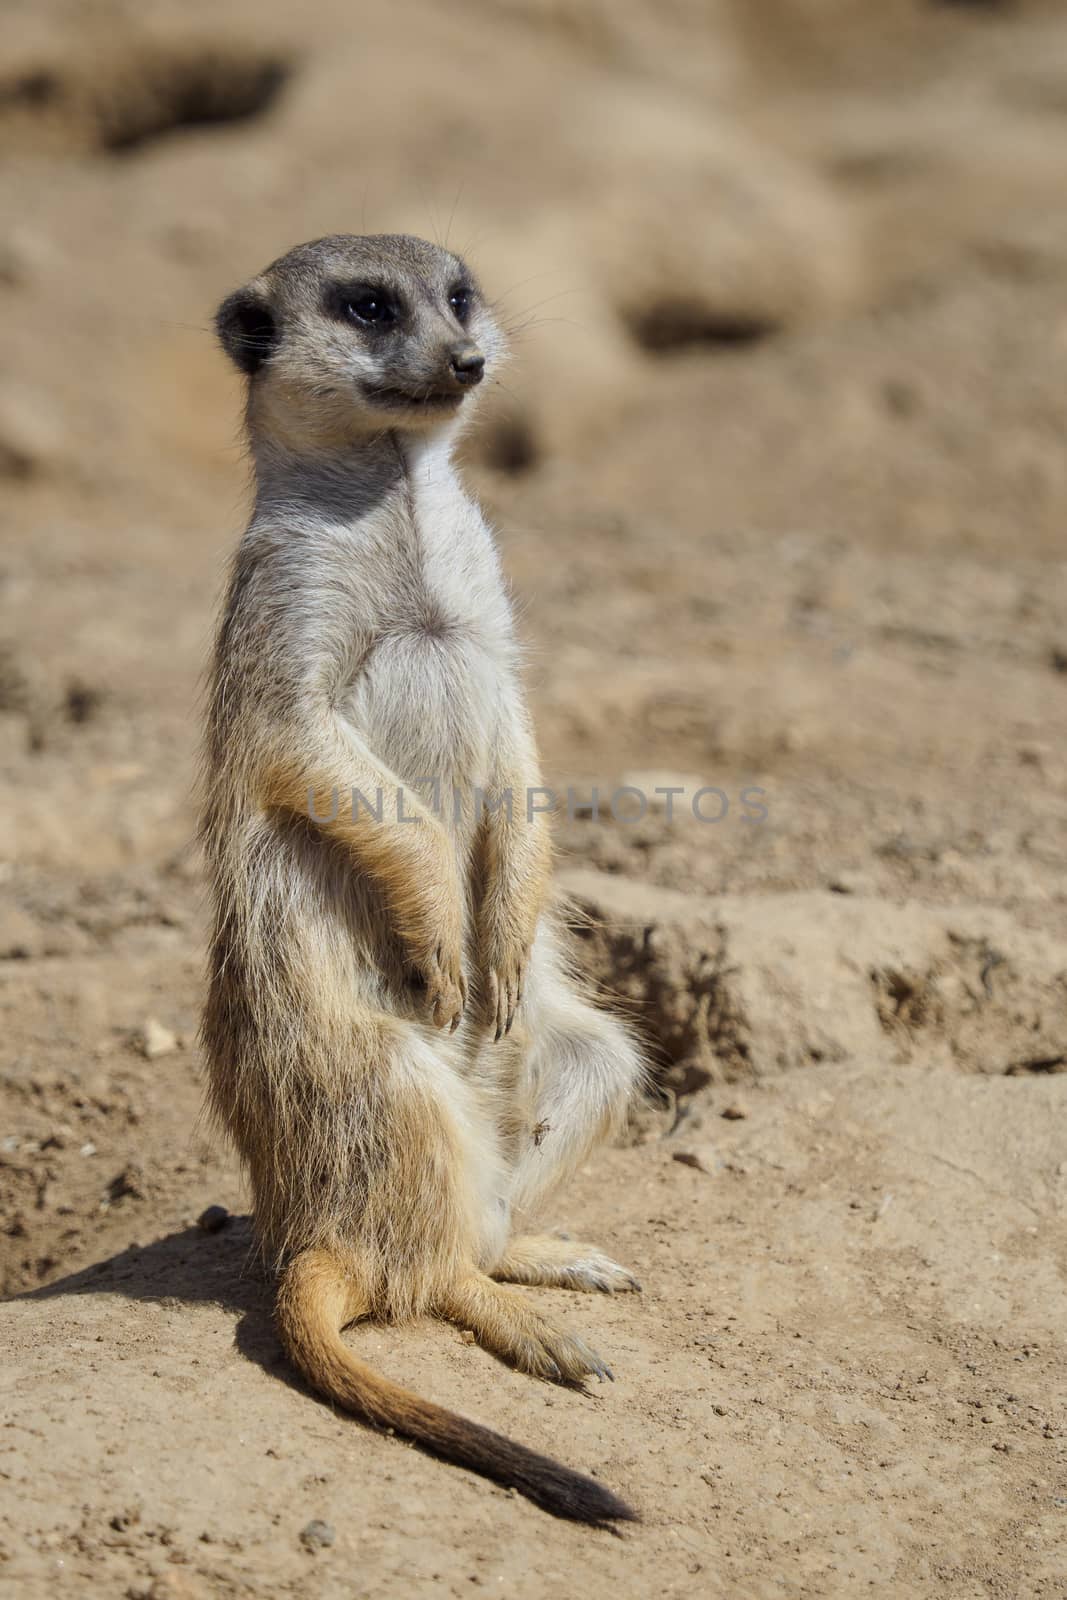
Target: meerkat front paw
<point x="504" y="981"/>
<point x="446" y="988"/>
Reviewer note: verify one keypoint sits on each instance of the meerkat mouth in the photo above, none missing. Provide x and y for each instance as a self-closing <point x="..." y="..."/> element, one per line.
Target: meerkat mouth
<point x="404" y="400"/>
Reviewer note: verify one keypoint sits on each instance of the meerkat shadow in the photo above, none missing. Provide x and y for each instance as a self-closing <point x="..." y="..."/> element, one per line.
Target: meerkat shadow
<point x="193" y="1268"/>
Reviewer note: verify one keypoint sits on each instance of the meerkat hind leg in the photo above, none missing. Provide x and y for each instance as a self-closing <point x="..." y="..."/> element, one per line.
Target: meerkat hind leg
<point x="584" y="1070"/>
<point x="554" y="1262"/>
<point x="505" y="1323"/>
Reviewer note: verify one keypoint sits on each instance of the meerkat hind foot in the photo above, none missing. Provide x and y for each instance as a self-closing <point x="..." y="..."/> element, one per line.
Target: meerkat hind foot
<point x="504" y="1323"/>
<point x="552" y="1262"/>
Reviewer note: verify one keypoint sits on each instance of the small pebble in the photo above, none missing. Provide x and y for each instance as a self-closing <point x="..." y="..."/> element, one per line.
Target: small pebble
<point x="734" y="1113"/>
<point x="317" y="1536"/>
<point x="214" y="1219"/>
<point x="154" y="1040"/>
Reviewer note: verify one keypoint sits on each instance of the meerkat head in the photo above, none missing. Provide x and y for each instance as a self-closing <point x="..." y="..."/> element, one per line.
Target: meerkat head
<point x="349" y="336"/>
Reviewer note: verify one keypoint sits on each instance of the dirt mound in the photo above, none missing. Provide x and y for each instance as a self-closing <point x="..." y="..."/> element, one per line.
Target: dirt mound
<point x="735" y="988"/>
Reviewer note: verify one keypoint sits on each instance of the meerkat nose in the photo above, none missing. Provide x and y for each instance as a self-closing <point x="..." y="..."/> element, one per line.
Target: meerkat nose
<point x="468" y="364"/>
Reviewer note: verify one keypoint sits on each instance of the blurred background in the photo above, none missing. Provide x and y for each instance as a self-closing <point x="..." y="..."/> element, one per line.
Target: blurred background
<point x="777" y="466"/>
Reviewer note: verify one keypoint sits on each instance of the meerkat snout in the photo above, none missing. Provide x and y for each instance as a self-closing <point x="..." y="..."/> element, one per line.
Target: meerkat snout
<point x="346" y="335"/>
<point x="468" y="364"/>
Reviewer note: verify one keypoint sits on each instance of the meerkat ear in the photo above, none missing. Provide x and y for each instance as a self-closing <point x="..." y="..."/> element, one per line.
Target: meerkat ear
<point x="246" y="328"/>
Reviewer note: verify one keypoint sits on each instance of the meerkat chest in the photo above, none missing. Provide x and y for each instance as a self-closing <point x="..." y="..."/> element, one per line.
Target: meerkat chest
<point x="441" y="659"/>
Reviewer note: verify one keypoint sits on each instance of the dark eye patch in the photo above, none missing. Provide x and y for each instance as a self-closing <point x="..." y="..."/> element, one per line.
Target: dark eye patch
<point x="366" y="305"/>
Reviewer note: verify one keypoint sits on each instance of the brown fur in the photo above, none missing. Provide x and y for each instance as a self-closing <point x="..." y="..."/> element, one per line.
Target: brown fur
<point x="394" y="1039"/>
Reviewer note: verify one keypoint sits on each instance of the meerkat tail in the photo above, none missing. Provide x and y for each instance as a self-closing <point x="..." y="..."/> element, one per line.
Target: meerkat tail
<point x="316" y="1299"/>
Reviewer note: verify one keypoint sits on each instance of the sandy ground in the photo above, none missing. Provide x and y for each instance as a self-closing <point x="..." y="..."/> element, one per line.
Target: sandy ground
<point x="780" y="483"/>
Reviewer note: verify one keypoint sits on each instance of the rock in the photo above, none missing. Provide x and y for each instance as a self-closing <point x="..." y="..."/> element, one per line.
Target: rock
<point x="214" y="1219"/>
<point x="154" y="1040"/>
<point x="734" y="1113"/>
<point x="317" y="1536"/>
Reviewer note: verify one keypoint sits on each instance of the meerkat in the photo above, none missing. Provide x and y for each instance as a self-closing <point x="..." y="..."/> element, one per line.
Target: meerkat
<point x="395" y="1041"/>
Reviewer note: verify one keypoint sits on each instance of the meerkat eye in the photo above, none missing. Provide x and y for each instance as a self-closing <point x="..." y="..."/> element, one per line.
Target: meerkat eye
<point x="460" y="301"/>
<point x="373" y="306"/>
